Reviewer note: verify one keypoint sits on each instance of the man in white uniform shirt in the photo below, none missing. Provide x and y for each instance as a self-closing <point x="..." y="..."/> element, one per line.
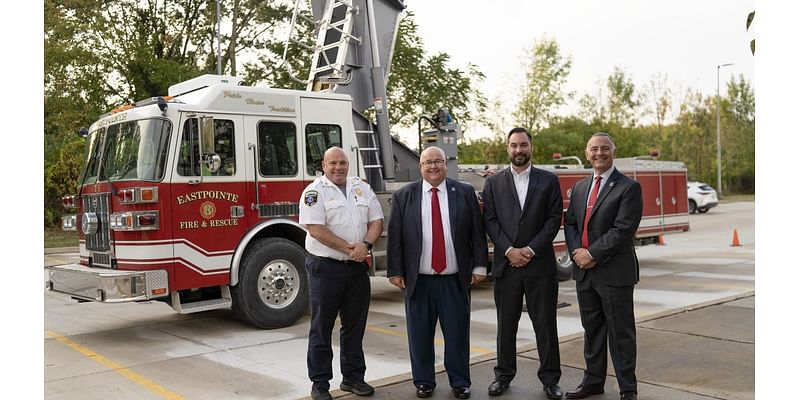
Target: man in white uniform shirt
<point x="344" y="219"/>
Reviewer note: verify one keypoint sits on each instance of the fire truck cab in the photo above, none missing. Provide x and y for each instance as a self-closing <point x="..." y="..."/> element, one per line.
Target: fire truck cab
<point x="193" y="198"/>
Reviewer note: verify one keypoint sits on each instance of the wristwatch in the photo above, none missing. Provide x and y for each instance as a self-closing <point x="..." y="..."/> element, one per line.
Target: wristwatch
<point x="369" y="245"/>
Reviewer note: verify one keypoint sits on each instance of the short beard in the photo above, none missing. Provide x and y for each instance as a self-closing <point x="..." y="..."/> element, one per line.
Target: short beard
<point x="523" y="163"/>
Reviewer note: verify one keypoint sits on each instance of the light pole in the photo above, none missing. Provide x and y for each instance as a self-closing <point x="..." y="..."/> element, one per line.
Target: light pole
<point x="719" y="145"/>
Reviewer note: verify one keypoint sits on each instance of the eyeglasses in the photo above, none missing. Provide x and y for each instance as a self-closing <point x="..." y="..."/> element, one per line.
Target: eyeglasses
<point x="428" y="163"/>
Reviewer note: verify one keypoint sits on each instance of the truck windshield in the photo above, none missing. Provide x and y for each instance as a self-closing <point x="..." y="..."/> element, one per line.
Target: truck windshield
<point x="128" y="150"/>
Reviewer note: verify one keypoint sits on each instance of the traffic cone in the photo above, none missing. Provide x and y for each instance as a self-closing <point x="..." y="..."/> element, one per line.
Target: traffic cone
<point x="661" y="240"/>
<point x="735" y="242"/>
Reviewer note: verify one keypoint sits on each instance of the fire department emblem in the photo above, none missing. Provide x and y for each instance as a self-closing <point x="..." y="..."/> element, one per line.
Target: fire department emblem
<point x="208" y="210"/>
<point x="311" y="197"/>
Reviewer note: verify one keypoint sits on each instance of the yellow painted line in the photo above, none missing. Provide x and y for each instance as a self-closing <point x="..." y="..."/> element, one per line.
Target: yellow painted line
<point x="142" y="381"/>
<point x="472" y="349"/>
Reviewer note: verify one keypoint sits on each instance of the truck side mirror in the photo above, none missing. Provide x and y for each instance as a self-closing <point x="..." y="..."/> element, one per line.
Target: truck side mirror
<point x="206" y="136"/>
<point x="209" y="158"/>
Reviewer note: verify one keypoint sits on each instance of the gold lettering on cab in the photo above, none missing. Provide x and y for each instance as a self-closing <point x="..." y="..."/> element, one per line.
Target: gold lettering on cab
<point x="206" y="195"/>
<point x="231" y="95"/>
<point x="285" y="109"/>
<point x="189" y="225"/>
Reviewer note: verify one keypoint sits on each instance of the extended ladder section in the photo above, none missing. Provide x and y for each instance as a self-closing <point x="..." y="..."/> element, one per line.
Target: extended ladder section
<point x="333" y="39"/>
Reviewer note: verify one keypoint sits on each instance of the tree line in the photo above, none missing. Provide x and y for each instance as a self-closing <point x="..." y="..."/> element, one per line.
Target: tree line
<point x="682" y="122"/>
<point x="101" y="54"/>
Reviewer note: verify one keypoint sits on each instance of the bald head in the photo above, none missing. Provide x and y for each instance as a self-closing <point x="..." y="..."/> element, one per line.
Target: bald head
<point x="335" y="165"/>
<point x="433" y="165"/>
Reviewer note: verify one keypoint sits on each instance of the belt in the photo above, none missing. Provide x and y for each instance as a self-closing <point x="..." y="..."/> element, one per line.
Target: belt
<point x="333" y="260"/>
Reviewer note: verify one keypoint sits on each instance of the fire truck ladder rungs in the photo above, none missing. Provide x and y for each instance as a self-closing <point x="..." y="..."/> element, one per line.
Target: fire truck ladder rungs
<point x="333" y="39"/>
<point x="297" y="13"/>
<point x="370" y="154"/>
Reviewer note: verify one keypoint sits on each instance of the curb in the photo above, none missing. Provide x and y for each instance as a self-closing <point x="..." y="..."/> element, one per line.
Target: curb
<point x="60" y="250"/>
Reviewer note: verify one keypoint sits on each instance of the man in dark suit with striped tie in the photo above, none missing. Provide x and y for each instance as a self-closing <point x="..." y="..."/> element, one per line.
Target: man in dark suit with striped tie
<point x="603" y="216"/>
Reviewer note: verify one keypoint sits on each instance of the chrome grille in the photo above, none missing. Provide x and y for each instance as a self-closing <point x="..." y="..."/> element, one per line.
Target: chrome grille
<point x="101" y="260"/>
<point x="278" y="210"/>
<point x="98" y="204"/>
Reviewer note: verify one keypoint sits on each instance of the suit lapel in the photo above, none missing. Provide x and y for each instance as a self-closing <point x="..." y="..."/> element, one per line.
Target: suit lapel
<point x="417" y="197"/>
<point x="452" y="203"/>
<point x="607" y="188"/>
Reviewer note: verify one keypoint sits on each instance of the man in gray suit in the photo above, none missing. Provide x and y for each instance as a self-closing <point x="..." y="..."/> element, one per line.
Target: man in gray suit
<point x="436" y="249"/>
<point x="603" y="216"/>
<point x="522" y="208"/>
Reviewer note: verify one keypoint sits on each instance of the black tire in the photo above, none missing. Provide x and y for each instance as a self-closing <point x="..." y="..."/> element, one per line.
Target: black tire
<point x="703" y="210"/>
<point x="692" y="207"/>
<point x="564" y="266"/>
<point x="273" y="285"/>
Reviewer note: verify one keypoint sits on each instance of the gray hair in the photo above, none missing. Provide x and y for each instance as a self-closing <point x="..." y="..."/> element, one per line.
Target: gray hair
<point x="603" y="134"/>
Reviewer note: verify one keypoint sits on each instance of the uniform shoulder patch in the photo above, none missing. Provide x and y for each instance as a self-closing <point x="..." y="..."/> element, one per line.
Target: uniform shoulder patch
<point x="311" y="197"/>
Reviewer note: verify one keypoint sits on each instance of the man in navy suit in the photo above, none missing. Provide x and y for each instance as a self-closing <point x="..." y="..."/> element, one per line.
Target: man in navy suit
<point x="522" y="206"/>
<point x="603" y="216"/>
<point x="436" y="250"/>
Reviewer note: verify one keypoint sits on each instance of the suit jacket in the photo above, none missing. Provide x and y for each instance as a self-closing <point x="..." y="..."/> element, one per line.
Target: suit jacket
<point x="535" y="225"/>
<point x="615" y="218"/>
<point x="404" y="247"/>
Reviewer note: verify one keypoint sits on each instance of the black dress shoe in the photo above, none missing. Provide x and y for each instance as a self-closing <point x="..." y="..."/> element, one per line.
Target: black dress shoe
<point x="627" y="396"/>
<point x="424" y="391"/>
<point x="358" y="388"/>
<point x="497" y="388"/>
<point x="553" y="391"/>
<point x="583" y="391"/>
<point x="461" y="392"/>
<point x="320" y="394"/>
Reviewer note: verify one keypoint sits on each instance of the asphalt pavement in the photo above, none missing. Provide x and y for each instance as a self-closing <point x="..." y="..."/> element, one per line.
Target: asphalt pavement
<point x="703" y="352"/>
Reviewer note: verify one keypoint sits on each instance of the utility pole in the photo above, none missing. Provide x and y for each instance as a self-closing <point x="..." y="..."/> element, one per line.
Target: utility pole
<point x="719" y="143"/>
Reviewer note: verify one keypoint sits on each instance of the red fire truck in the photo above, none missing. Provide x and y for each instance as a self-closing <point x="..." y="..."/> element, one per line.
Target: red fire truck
<point x="664" y="195"/>
<point x="192" y="198"/>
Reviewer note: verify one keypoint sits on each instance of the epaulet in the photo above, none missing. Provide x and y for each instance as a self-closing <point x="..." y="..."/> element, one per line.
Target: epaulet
<point x="355" y="179"/>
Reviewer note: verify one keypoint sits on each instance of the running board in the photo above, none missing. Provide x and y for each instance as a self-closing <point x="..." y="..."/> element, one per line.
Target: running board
<point x="202" y="305"/>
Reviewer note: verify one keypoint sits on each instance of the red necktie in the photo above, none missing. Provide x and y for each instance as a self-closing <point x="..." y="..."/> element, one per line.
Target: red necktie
<point x="589" y="207"/>
<point x="438" y="261"/>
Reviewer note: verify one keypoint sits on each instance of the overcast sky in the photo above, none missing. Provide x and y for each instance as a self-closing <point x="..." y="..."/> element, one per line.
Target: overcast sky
<point x="683" y="39"/>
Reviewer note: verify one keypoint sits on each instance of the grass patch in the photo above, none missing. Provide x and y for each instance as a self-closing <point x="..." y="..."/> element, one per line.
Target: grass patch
<point x="55" y="237"/>
<point x="728" y="198"/>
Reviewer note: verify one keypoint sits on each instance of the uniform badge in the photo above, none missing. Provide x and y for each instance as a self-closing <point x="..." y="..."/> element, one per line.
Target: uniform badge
<point x="358" y="192"/>
<point x="311" y="197"/>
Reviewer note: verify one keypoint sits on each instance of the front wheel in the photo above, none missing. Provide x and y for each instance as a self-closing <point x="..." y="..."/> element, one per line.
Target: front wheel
<point x="273" y="286"/>
<point x="564" y="265"/>
<point x="703" y="210"/>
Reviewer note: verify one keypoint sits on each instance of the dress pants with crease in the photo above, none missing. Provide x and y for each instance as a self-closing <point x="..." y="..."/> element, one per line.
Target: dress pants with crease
<point x="541" y="297"/>
<point x="442" y="298"/>
<point x="608" y="321"/>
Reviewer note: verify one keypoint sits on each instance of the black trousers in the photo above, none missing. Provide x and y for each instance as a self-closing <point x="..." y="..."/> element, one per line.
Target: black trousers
<point x="337" y="289"/>
<point x="541" y="298"/>
<point x="443" y="299"/>
<point x="608" y="321"/>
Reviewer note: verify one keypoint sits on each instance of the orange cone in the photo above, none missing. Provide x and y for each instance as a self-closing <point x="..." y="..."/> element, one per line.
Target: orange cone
<point x="661" y="240"/>
<point x="735" y="242"/>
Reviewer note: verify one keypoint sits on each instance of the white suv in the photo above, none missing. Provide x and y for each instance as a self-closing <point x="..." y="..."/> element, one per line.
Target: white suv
<point x="702" y="197"/>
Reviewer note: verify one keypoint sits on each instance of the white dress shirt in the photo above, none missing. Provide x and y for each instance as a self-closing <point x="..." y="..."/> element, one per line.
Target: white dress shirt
<point x="427" y="231"/>
<point x="521" y="183"/>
